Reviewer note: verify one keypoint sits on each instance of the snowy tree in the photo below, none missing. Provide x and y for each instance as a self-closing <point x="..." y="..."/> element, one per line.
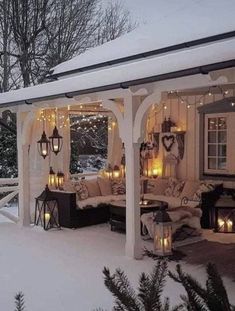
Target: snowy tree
<point x="36" y="35"/>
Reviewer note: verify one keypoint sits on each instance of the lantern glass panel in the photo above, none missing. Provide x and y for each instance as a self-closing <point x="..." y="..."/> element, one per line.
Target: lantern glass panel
<point x="163" y="239"/>
<point x="226" y="221"/>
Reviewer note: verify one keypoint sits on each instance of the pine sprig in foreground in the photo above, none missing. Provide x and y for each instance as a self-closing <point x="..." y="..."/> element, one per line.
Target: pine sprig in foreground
<point x="149" y="296"/>
<point x="212" y="297"/>
<point x="19" y="302"/>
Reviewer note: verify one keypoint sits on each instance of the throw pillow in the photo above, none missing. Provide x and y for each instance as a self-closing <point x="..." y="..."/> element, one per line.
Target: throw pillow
<point x="93" y="187"/>
<point x="203" y="187"/>
<point x="157" y="186"/>
<point x="189" y="189"/>
<point x="118" y="186"/>
<point x="178" y="188"/>
<point x="81" y="190"/>
<point x="172" y="182"/>
<point x="105" y="186"/>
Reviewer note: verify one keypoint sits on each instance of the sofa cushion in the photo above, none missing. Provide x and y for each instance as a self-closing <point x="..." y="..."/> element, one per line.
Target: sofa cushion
<point x="92" y="187"/>
<point x="81" y="190"/>
<point x="157" y="186"/>
<point x="190" y="187"/>
<point x="118" y="186"/>
<point x="105" y="186"/>
<point x="95" y="201"/>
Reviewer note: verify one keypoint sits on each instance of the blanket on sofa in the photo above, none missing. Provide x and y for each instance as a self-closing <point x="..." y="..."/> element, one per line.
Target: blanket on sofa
<point x="180" y="216"/>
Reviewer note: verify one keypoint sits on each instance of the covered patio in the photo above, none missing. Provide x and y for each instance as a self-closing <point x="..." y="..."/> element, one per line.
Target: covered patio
<point x="169" y="78"/>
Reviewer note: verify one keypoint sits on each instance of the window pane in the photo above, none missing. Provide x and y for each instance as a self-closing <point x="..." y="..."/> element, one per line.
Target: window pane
<point x="222" y="124"/>
<point x="221" y="163"/>
<point x="212" y="137"/>
<point x="222" y="150"/>
<point x="212" y="150"/>
<point x="222" y="137"/>
<point x="212" y="123"/>
<point x="212" y="163"/>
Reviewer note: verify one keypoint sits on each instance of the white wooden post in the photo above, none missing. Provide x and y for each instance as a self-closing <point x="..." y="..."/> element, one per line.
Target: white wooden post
<point x="133" y="238"/>
<point x="23" y="173"/>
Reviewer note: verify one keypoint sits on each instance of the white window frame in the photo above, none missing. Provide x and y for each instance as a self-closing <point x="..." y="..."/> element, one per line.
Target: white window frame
<point x="207" y="170"/>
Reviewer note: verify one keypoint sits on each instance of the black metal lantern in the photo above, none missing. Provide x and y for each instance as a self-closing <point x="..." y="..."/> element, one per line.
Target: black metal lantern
<point x="56" y="141"/>
<point x="163" y="233"/>
<point x="60" y="180"/>
<point x="43" y="145"/>
<point x="52" y="178"/>
<point x="46" y="210"/>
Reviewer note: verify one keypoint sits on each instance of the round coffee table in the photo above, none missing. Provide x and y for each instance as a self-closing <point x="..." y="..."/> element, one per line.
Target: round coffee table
<point x="118" y="211"/>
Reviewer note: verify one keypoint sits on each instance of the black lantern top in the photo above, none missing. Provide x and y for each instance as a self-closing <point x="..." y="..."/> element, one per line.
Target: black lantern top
<point x="51" y="172"/>
<point x="56" y="141"/>
<point x="43" y="145"/>
<point x="162" y="216"/>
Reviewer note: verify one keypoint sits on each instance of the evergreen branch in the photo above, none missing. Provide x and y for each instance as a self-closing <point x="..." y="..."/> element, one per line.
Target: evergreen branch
<point x="195" y="301"/>
<point x="216" y="292"/>
<point x="19" y="302"/>
<point x="119" y="286"/>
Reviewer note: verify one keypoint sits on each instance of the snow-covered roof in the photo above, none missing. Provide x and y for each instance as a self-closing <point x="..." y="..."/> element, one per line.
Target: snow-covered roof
<point x="128" y="73"/>
<point x="175" y="22"/>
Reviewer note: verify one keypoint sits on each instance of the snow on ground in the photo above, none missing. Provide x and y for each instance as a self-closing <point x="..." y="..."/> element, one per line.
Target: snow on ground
<point x="62" y="270"/>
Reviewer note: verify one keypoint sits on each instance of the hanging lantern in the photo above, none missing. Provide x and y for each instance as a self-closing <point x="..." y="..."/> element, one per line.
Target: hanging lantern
<point x="56" y="141"/>
<point x="116" y="171"/>
<point x="163" y="233"/>
<point x="43" y="145"/>
<point x="60" y="180"/>
<point x="52" y="178"/>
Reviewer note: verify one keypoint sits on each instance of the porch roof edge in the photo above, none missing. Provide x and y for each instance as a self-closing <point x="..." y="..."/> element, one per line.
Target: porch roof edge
<point x="205" y="69"/>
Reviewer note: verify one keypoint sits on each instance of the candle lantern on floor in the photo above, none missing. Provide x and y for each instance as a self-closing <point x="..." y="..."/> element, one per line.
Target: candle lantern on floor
<point x="163" y="233"/>
<point x="46" y="210"/>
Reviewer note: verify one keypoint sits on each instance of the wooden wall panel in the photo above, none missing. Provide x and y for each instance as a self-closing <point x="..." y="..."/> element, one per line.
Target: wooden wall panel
<point x="188" y="167"/>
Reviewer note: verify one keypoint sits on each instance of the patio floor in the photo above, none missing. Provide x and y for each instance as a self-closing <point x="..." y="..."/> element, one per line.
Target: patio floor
<point x="62" y="270"/>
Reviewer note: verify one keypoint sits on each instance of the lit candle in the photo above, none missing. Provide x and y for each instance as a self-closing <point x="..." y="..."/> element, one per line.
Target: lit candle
<point x="116" y="174"/>
<point x="155" y="172"/>
<point x="145" y="202"/>
<point x="230" y="225"/>
<point x="44" y="152"/>
<point x="56" y="147"/>
<point x="47" y="216"/>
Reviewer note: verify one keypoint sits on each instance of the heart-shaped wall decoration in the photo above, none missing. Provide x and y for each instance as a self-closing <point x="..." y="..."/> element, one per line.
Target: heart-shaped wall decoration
<point x="168" y="141"/>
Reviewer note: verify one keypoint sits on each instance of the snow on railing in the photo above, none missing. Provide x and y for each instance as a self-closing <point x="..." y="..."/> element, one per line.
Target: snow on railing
<point x="8" y="186"/>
